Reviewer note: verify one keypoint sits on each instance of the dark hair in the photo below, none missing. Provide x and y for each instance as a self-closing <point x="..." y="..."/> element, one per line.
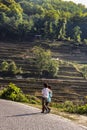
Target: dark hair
<point x="49" y="87"/>
<point x="45" y="85"/>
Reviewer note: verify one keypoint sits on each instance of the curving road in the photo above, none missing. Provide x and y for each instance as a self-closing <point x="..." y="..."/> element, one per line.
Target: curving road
<point x="17" y="116"/>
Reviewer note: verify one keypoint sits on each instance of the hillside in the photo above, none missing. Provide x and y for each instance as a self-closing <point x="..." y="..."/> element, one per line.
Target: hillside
<point x="70" y="84"/>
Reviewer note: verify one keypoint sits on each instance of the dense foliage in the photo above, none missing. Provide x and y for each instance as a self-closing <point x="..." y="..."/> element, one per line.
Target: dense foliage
<point x="24" y="19"/>
<point x="14" y="93"/>
<point x="9" y="68"/>
<point x="44" y="62"/>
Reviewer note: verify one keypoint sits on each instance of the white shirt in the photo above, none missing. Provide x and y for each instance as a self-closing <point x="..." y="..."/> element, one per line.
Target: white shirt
<point x="45" y="92"/>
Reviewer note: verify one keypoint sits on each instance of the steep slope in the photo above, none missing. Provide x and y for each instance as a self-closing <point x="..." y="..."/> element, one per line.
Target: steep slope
<point x="70" y="85"/>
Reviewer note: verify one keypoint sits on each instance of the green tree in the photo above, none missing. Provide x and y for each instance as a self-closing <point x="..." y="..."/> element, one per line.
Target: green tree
<point x="77" y="34"/>
<point x="24" y="29"/>
<point x="12" y="67"/>
<point x="44" y="61"/>
<point x="62" y="31"/>
<point x="53" y="68"/>
<point x="4" y="66"/>
<point x="14" y="93"/>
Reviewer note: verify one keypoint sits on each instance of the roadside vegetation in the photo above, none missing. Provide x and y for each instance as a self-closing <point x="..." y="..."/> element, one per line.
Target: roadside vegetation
<point x="58" y="25"/>
<point x="14" y="93"/>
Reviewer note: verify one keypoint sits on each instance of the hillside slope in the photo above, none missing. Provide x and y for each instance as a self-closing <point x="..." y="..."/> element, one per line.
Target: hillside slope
<point x="70" y="85"/>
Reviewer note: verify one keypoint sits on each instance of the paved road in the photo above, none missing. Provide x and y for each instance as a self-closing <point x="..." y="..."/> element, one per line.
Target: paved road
<point x="17" y="116"/>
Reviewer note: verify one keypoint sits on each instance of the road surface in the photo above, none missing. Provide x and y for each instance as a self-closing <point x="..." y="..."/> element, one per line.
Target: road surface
<point x="17" y="116"/>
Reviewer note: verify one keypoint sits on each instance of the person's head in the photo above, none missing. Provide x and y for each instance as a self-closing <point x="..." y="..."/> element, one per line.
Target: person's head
<point x="49" y="87"/>
<point x="45" y="85"/>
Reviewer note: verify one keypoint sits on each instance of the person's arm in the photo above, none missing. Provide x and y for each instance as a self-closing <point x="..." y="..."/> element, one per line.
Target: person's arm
<point x="42" y="92"/>
<point x="51" y="94"/>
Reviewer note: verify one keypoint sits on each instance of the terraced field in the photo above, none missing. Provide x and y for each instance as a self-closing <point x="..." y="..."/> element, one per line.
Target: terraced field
<point x="70" y="85"/>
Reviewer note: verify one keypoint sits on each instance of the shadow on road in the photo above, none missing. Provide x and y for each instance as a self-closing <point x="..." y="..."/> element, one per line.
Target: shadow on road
<point x="29" y="114"/>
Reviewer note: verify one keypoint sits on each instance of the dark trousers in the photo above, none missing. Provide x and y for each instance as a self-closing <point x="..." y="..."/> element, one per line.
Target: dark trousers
<point x="44" y="105"/>
<point x="47" y="105"/>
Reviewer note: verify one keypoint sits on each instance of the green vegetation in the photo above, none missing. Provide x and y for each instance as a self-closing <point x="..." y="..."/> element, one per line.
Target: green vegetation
<point x="10" y="68"/>
<point x="81" y="69"/>
<point x="23" y="20"/>
<point x="69" y="85"/>
<point x="65" y="24"/>
<point x="77" y="34"/>
<point x="14" y="93"/>
<point x="71" y="108"/>
<point x="44" y="62"/>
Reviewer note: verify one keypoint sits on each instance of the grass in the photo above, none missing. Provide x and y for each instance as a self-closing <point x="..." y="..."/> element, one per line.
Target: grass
<point x="77" y="118"/>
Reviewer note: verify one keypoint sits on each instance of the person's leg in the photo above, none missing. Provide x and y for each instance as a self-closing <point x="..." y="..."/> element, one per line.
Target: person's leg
<point x="47" y="105"/>
<point x="42" y="105"/>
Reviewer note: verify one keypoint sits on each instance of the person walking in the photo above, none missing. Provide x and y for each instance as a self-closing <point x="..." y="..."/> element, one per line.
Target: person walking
<point x="45" y="96"/>
<point x="49" y="99"/>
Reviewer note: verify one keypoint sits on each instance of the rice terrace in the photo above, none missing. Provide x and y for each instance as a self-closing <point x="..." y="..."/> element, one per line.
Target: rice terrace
<point x="44" y="41"/>
<point x="70" y="83"/>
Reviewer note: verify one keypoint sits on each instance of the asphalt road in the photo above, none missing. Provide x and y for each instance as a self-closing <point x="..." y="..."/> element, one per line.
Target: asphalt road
<point x="17" y="116"/>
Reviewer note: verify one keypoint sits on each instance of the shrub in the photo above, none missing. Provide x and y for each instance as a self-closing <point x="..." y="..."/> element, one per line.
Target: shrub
<point x="44" y="62"/>
<point x="12" y="92"/>
<point x="33" y="99"/>
<point x="85" y="41"/>
<point x="10" y="68"/>
<point x="4" y="66"/>
<point x="82" y="109"/>
<point x="71" y="108"/>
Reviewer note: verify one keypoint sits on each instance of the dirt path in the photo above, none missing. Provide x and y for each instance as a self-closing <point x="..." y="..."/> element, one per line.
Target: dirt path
<point x="79" y="119"/>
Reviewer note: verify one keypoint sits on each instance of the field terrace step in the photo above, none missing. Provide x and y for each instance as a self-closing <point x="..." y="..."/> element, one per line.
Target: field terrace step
<point x="64" y="89"/>
<point x="70" y="57"/>
<point x="67" y="73"/>
<point x="67" y="68"/>
<point x="69" y="85"/>
<point x="69" y="77"/>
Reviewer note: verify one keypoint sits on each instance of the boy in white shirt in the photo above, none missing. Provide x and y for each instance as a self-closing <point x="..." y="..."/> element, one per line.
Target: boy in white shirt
<point x="45" y="95"/>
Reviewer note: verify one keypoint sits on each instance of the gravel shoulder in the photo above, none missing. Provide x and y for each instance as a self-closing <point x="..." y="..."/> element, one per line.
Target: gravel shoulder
<point x="79" y="119"/>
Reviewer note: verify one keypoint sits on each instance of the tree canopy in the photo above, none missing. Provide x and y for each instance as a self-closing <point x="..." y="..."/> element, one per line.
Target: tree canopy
<point x="44" y="62"/>
<point x="23" y="19"/>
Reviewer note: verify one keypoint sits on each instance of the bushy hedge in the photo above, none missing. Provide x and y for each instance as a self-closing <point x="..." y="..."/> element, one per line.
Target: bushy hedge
<point x="71" y="108"/>
<point x="10" y="68"/>
<point x="33" y="100"/>
<point x="14" y="93"/>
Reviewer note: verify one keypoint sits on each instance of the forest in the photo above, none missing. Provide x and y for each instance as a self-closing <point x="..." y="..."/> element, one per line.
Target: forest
<point x="22" y="20"/>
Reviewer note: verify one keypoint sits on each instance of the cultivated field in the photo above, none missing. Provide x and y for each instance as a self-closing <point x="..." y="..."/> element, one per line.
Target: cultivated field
<point x="70" y="84"/>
